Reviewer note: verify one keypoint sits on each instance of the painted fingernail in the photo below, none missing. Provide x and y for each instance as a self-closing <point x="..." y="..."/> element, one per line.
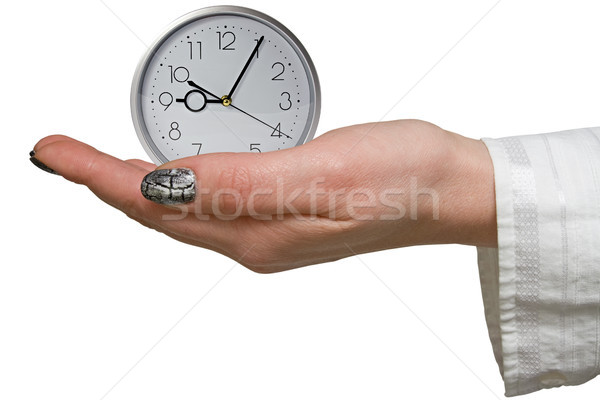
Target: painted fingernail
<point x="40" y="164"/>
<point x="170" y="186"/>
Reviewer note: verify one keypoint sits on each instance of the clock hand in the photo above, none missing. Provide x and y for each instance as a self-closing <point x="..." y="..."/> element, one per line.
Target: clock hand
<point x="207" y="101"/>
<point x="204" y="100"/>
<point x="239" y="78"/>
<point x="226" y="101"/>
<point x="192" y="84"/>
<point x="262" y="122"/>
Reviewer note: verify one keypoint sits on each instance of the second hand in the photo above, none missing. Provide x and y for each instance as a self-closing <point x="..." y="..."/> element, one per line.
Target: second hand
<point x="262" y="122"/>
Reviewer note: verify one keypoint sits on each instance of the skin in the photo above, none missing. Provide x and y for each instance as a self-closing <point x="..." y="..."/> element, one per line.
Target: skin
<point x="356" y="167"/>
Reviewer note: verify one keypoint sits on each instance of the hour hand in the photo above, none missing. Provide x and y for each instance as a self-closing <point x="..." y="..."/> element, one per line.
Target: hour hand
<point x="195" y="100"/>
<point x="194" y="85"/>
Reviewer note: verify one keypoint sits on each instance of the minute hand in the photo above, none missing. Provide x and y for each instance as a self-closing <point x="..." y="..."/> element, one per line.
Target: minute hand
<point x="239" y="78"/>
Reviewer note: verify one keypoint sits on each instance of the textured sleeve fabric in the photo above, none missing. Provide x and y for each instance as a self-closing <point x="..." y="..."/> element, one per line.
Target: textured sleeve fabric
<point x="541" y="286"/>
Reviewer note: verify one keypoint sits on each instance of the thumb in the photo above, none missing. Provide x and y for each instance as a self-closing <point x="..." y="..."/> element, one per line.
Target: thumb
<point x="233" y="184"/>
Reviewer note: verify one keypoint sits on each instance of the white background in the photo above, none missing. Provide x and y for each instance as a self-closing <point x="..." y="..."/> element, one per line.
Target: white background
<point x="88" y="297"/>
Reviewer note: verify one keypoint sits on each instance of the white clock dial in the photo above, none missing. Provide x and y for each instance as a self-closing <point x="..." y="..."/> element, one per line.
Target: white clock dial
<point x="224" y="79"/>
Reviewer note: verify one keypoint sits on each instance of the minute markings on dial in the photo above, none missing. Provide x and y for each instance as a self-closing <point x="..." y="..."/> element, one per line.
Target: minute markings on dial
<point x="193" y="84"/>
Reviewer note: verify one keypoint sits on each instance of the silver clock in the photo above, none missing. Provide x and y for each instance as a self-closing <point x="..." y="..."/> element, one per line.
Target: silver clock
<point x="224" y="79"/>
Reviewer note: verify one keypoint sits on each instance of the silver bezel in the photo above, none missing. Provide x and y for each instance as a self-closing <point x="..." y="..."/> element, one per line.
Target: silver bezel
<point x="140" y="72"/>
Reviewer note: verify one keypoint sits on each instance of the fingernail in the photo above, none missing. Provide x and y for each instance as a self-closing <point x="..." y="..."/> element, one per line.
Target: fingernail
<point x="40" y="164"/>
<point x="170" y="186"/>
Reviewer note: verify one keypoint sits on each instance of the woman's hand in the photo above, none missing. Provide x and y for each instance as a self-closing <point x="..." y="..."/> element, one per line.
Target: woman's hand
<point x="353" y="190"/>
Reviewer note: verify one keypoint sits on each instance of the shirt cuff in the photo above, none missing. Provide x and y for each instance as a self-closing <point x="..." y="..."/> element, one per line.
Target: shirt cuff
<point x="541" y="286"/>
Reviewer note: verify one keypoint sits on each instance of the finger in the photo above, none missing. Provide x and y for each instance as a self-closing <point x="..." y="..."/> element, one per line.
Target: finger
<point x="145" y="165"/>
<point x="287" y="181"/>
<point x="114" y="181"/>
<point x="51" y="139"/>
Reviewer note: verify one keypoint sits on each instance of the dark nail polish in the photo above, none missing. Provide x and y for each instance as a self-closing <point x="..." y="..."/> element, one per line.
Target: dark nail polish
<point x="170" y="186"/>
<point x="40" y="164"/>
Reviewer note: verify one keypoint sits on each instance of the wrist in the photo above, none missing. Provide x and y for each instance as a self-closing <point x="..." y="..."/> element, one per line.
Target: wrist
<point x="450" y="182"/>
<point x="469" y="202"/>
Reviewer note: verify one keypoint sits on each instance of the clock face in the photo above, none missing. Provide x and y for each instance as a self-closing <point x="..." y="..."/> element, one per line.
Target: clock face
<point x="224" y="79"/>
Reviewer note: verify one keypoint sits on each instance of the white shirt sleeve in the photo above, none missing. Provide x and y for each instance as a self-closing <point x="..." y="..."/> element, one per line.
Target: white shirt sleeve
<point x="541" y="286"/>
